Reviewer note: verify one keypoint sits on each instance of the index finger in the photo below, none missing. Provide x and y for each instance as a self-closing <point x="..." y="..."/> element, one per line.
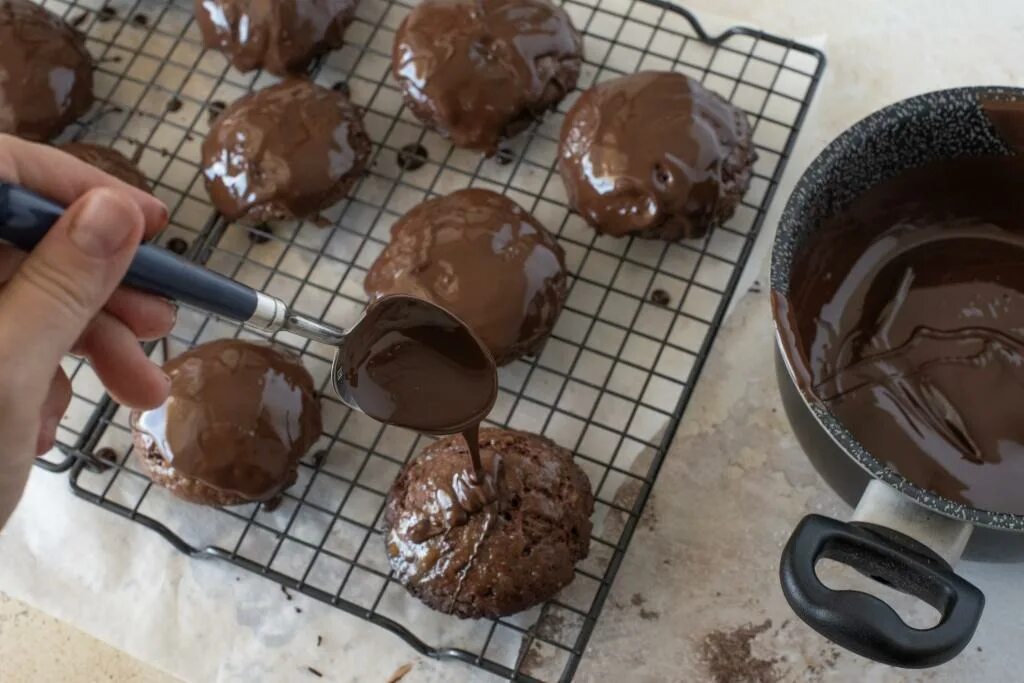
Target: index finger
<point x="64" y="179"/>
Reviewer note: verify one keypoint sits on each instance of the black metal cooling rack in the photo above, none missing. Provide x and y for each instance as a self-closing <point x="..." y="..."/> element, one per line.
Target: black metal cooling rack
<point x="611" y="384"/>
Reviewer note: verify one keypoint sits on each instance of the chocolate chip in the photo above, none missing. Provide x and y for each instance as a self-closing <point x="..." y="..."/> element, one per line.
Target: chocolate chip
<point x="504" y="157"/>
<point x="412" y="156"/>
<point x="660" y="297"/>
<point x="215" y="109"/>
<point x="106" y="13"/>
<point x="318" y="458"/>
<point x="177" y="245"/>
<point x="342" y="87"/>
<point x="261" y="234"/>
<point x="140" y="20"/>
<point x="174" y="105"/>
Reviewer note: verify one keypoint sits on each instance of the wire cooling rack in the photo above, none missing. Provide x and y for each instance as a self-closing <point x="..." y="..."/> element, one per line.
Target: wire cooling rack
<point x="611" y="384"/>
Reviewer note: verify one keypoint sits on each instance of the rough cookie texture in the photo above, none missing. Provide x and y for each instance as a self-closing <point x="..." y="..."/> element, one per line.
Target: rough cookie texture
<point x="109" y="161"/>
<point x="514" y="553"/>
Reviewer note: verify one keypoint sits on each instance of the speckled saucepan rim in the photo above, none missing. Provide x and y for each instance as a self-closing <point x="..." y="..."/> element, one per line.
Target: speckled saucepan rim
<point x="941" y="124"/>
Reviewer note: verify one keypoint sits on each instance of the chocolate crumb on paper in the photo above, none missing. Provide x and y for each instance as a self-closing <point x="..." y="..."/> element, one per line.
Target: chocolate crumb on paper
<point x="319" y="641"/>
<point x="215" y="109"/>
<point x="729" y="658"/>
<point x="287" y="595"/>
<point x="400" y="673"/>
<point x="314" y="672"/>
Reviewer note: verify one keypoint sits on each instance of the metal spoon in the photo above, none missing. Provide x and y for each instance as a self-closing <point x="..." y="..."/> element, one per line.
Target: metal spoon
<point x="384" y="327"/>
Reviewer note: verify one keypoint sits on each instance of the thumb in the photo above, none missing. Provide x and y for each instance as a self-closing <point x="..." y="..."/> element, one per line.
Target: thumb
<point x="67" y="279"/>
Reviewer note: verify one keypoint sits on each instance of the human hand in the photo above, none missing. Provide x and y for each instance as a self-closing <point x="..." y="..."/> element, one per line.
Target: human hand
<point x="64" y="298"/>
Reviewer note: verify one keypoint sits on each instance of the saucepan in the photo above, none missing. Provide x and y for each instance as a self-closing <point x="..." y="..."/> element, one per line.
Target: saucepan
<point x="900" y="534"/>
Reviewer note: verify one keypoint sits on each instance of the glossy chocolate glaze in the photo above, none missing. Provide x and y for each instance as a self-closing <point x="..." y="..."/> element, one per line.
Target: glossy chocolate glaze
<point x="479" y="71"/>
<point x="477" y="557"/>
<point x="417" y="367"/>
<point x="239" y="418"/>
<point x="45" y="72"/>
<point x="485" y="259"/>
<point x="288" y="151"/>
<point x="109" y="161"/>
<point x="281" y="36"/>
<point x="908" y="313"/>
<point x="655" y="154"/>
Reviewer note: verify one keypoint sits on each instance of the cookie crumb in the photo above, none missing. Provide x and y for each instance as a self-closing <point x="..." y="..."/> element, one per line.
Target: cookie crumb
<point x="504" y="157"/>
<point x="400" y="673"/>
<point x="660" y="297"/>
<point x="287" y="595"/>
<point x="140" y="20"/>
<point x="215" y="109"/>
<point x="104" y="459"/>
<point x="177" y="245"/>
<point x="106" y="13"/>
<point x="342" y="87"/>
<point x="314" y="672"/>
<point x="298" y="610"/>
<point x="261" y="234"/>
<point x="319" y="641"/>
<point x="728" y="656"/>
<point x="412" y="156"/>
<point x="174" y="104"/>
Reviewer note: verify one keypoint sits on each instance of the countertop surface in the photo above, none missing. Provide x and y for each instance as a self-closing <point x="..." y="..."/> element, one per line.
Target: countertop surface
<point x="697" y="597"/>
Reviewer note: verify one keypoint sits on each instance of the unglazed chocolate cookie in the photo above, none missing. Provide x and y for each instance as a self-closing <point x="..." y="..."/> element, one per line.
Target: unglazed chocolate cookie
<point x="281" y="36"/>
<point x="479" y="71"/>
<point x="109" y="161"/>
<point x="505" y="557"/>
<point x="288" y="151"/>
<point x="239" y="418"/>
<point x="484" y="258"/>
<point x="45" y="72"/>
<point x="655" y="155"/>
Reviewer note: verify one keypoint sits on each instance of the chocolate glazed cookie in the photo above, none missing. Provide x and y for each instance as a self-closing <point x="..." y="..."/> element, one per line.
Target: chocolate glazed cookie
<point x="655" y="155"/>
<point x="288" y="151"/>
<point x="109" y="161"/>
<point x="281" y="36"/>
<point x="505" y="557"/>
<point x="479" y="71"/>
<point x="239" y="418"/>
<point x="45" y="72"/>
<point x="484" y="258"/>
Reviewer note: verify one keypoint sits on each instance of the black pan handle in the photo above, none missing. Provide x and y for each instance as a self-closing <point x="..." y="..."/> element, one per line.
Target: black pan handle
<point x="862" y="623"/>
<point x="26" y="217"/>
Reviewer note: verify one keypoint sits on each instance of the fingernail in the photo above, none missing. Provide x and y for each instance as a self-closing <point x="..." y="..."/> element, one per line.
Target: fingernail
<point x="103" y="223"/>
<point x="174" y="312"/>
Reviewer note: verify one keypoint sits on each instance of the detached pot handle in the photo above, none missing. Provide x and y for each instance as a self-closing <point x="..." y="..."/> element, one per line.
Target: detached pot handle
<point x="862" y="623"/>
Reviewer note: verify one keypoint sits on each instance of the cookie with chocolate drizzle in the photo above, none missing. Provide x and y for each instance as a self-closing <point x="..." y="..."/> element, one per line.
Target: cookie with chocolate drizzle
<point x="492" y="548"/>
